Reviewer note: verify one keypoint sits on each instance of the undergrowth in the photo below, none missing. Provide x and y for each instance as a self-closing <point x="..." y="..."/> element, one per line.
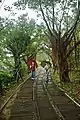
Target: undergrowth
<point x="72" y="88"/>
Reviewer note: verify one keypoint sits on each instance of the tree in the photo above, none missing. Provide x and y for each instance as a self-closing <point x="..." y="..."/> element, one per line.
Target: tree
<point x="60" y="30"/>
<point x="15" y="36"/>
<point x="17" y="40"/>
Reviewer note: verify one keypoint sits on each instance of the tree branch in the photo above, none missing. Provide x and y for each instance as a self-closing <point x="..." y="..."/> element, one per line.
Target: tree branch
<point x="45" y="18"/>
<point x="72" y="48"/>
<point x="70" y="31"/>
<point x="62" y="16"/>
<point x="4" y="27"/>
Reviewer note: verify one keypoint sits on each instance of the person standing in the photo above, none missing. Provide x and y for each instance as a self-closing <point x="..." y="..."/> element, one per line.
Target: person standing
<point x="33" y="65"/>
<point x="47" y="73"/>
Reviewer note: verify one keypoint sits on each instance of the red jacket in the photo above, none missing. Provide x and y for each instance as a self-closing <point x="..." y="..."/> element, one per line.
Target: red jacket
<point x="32" y="64"/>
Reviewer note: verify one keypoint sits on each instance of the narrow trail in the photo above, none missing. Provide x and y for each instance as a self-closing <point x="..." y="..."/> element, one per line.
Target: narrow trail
<point x="41" y="101"/>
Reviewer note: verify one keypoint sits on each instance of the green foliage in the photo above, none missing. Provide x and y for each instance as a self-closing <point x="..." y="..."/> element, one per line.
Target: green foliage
<point x="20" y="37"/>
<point x="24" y="69"/>
<point x="5" y="78"/>
<point x="43" y="63"/>
<point x="60" y="16"/>
<point x="17" y="41"/>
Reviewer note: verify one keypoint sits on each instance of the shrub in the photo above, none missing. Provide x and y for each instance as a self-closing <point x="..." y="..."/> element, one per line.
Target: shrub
<point x="5" y="78"/>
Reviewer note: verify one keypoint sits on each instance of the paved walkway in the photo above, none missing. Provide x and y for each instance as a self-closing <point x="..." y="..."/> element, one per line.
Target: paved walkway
<point x="40" y="101"/>
<point x="23" y="107"/>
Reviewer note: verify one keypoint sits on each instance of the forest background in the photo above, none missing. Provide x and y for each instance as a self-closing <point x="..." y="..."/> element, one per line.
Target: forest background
<point x="51" y="34"/>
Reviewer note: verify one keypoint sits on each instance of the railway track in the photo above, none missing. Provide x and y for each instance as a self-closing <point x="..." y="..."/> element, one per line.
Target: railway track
<point x="44" y="108"/>
<point x="40" y="101"/>
<point x="63" y="104"/>
<point x="54" y="106"/>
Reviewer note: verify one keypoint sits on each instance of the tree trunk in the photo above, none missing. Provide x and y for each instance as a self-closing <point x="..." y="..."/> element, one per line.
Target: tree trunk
<point x="60" y="59"/>
<point x="18" y="73"/>
<point x="63" y="70"/>
<point x="63" y="65"/>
